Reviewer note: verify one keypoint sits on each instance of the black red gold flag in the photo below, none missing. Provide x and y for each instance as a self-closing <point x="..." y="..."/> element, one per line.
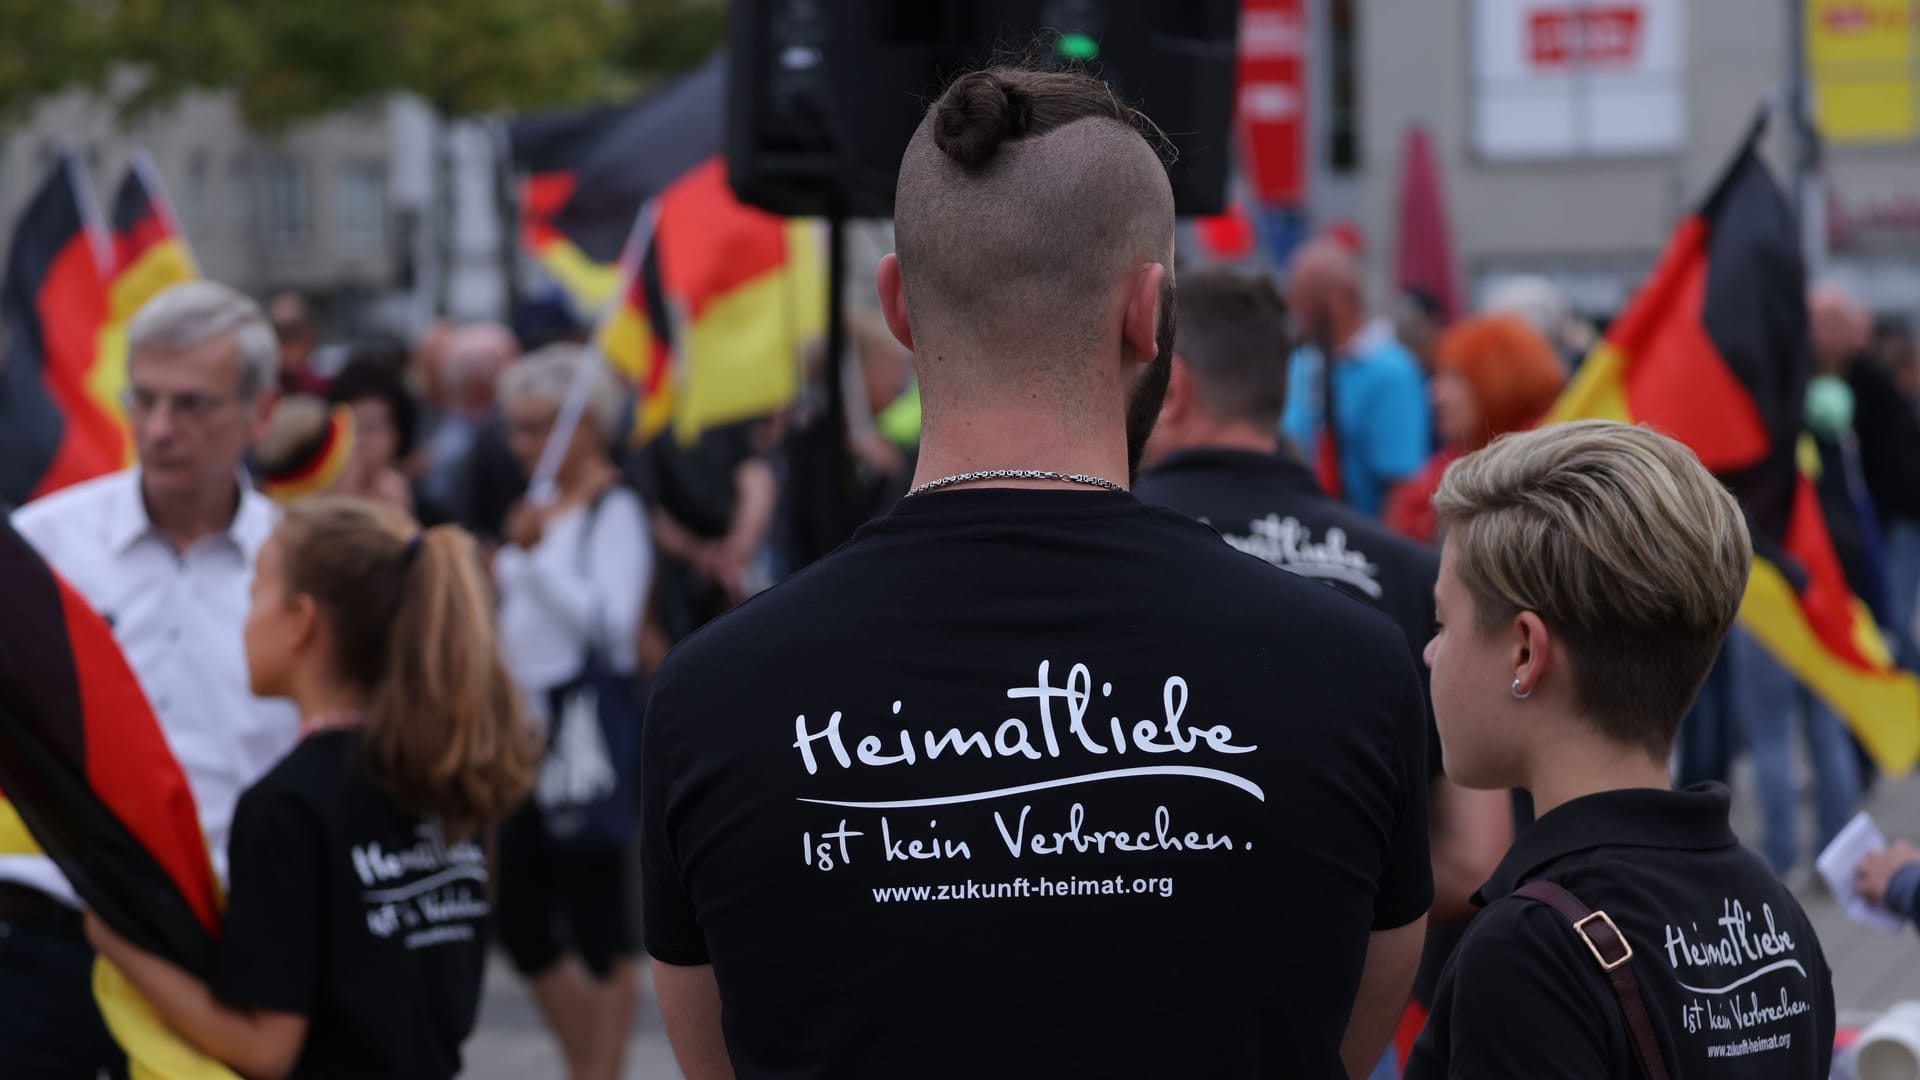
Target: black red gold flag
<point x="59" y="422"/>
<point x="150" y="252"/>
<point x="587" y="172"/>
<point x="1714" y="351"/>
<point x="88" y="774"/>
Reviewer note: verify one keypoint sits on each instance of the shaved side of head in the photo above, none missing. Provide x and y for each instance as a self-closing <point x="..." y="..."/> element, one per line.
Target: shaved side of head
<point x="1027" y="201"/>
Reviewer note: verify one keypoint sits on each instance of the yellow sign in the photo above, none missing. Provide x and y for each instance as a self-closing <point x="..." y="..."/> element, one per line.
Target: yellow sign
<point x="1860" y="55"/>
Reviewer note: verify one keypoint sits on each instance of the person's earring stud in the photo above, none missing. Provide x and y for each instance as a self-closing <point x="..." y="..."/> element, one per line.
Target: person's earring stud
<point x="1518" y="696"/>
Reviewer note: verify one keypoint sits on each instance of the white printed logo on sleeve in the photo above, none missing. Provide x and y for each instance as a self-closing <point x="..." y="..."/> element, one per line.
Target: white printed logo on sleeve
<point x="1289" y="545"/>
<point x="1744" y="980"/>
<point x="429" y="893"/>
<point x="997" y="825"/>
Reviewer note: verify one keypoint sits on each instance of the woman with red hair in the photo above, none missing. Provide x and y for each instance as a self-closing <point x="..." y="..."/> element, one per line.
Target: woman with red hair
<point x="1491" y="375"/>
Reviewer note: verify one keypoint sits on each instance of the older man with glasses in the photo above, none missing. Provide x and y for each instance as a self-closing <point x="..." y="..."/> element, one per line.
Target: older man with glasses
<point x="165" y="551"/>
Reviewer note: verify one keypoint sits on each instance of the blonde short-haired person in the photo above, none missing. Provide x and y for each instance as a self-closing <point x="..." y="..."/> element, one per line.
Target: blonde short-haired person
<point x="1589" y="573"/>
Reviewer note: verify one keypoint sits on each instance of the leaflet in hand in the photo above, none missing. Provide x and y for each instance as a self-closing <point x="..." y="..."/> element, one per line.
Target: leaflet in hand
<point x="1837" y="864"/>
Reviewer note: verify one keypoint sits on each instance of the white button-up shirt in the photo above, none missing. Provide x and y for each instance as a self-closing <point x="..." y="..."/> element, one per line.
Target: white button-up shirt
<point x="178" y="617"/>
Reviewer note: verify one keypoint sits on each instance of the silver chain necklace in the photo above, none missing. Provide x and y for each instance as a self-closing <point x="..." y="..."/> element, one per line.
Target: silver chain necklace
<point x="1015" y="474"/>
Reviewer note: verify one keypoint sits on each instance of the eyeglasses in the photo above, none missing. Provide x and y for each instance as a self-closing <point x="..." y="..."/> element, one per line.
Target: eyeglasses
<point x="191" y="407"/>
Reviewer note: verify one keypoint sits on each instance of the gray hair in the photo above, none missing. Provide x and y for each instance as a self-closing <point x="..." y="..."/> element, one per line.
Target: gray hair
<point x="193" y="313"/>
<point x="545" y="375"/>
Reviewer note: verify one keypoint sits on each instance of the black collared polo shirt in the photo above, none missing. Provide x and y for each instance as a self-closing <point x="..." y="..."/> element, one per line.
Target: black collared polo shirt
<point x="1733" y="977"/>
<point x="1269" y="506"/>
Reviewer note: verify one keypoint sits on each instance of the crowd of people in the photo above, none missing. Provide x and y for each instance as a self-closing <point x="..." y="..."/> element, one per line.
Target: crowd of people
<point x="1077" y="787"/>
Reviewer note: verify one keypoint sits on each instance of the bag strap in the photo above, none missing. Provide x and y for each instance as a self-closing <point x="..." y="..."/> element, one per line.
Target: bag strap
<point x="583" y="558"/>
<point x="1614" y="955"/>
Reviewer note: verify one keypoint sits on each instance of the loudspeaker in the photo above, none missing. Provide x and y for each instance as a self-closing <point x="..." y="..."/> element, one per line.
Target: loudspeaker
<point x="823" y="95"/>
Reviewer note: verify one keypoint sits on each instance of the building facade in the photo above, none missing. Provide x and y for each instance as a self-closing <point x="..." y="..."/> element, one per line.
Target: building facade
<point x="1572" y="134"/>
<point x="346" y="209"/>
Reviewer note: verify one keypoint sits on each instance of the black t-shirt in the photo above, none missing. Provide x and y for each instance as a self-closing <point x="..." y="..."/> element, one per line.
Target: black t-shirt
<point x="1732" y="975"/>
<point x="359" y="918"/>
<point x="1269" y="506"/>
<point x="1035" y="782"/>
<point x="697" y="487"/>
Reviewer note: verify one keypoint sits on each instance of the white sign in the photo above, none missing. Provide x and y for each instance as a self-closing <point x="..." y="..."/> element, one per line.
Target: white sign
<point x="1557" y="79"/>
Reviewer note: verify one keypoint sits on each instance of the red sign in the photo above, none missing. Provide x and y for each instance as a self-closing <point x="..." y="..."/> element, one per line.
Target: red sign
<point x="1271" y="102"/>
<point x="1596" y="35"/>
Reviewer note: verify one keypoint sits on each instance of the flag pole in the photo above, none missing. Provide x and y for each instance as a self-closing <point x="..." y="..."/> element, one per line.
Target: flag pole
<point x="93" y="222"/>
<point x="541" y="489"/>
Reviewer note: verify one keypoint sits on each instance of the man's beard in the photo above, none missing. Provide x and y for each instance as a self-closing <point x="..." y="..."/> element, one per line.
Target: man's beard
<point x="1150" y="390"/>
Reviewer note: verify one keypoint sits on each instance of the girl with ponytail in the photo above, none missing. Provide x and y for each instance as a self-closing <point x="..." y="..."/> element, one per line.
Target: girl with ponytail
<point x="355" y="932"/>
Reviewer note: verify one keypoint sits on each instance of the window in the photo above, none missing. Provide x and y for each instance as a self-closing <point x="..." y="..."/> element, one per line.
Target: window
<point x="242" y="202"/>
<point x="360" y="206"/>
<point x="288" y="213"/>
<point x="1343" y="87"/>
<point x="1560" y="79"/>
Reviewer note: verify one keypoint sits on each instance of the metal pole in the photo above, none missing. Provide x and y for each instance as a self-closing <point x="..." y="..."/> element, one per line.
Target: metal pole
<point x="840" y="513"/>
<point x="543" y="487"/>
<point x="1809" y="188"/>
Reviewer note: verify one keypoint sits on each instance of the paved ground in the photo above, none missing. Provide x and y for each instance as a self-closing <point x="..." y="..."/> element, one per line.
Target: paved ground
<point x="1871" y="970"/>
<point x="512" y="1044"/>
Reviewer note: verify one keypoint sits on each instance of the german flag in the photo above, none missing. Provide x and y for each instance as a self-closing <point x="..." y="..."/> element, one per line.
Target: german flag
<point x="632" y="339"/>
<point x="731" y="292"/>
<point x="587" y="172"/>
<point x="150" y="253"/>
<point x="711" y="308"/>
<point x="1714" y="351"/>
<point x="55" y="428"/>
<point x="91" y="779"/>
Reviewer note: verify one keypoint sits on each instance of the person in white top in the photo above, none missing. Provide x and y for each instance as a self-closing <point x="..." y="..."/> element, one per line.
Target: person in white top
<point x="573" y="580"/>
<point x="165" y="552"/>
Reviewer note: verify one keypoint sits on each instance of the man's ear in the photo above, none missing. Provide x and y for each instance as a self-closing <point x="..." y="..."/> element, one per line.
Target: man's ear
<point x="893" y="299"/>
<point x="260" y="416"/>
<point x="1139" y="331"/>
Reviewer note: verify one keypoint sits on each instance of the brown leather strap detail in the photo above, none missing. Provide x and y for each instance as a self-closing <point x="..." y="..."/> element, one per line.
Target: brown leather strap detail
<point x="1614" y="957"/>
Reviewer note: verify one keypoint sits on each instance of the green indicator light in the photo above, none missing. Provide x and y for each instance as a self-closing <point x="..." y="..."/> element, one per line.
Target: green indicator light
<point x="1077" y="46"/>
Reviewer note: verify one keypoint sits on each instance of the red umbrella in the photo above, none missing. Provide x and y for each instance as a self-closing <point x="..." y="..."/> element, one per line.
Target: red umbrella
<point x="1426" y="246"/>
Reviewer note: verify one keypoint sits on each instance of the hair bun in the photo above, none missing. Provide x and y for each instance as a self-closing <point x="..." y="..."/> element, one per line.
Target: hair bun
<point x="978" y="113"/>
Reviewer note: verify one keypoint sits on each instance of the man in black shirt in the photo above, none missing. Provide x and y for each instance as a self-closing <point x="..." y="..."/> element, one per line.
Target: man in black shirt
<point x="1030" y="778"/>
<point x="1217" y="457"/>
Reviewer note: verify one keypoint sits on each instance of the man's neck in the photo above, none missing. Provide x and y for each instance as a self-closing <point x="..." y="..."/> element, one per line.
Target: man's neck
<point x="1582" y="765"/>
<point x="1233" y="435"/>
<point x="983" y="439"/>
<point x="1346" y="333"/>
<point x="185" y="522"/>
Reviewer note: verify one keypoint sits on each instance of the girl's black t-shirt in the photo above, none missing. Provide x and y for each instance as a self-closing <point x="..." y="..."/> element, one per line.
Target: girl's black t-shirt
<point x="354" y="915"/>
<point x="1734" y="981"/>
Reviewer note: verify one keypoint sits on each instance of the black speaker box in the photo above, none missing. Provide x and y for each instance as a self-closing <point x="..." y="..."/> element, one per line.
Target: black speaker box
<point x="823" y="95"/>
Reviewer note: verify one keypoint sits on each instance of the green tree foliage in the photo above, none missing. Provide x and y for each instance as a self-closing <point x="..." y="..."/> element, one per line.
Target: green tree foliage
<point x="290" y="60"/>
<point x="46" y="48"/>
